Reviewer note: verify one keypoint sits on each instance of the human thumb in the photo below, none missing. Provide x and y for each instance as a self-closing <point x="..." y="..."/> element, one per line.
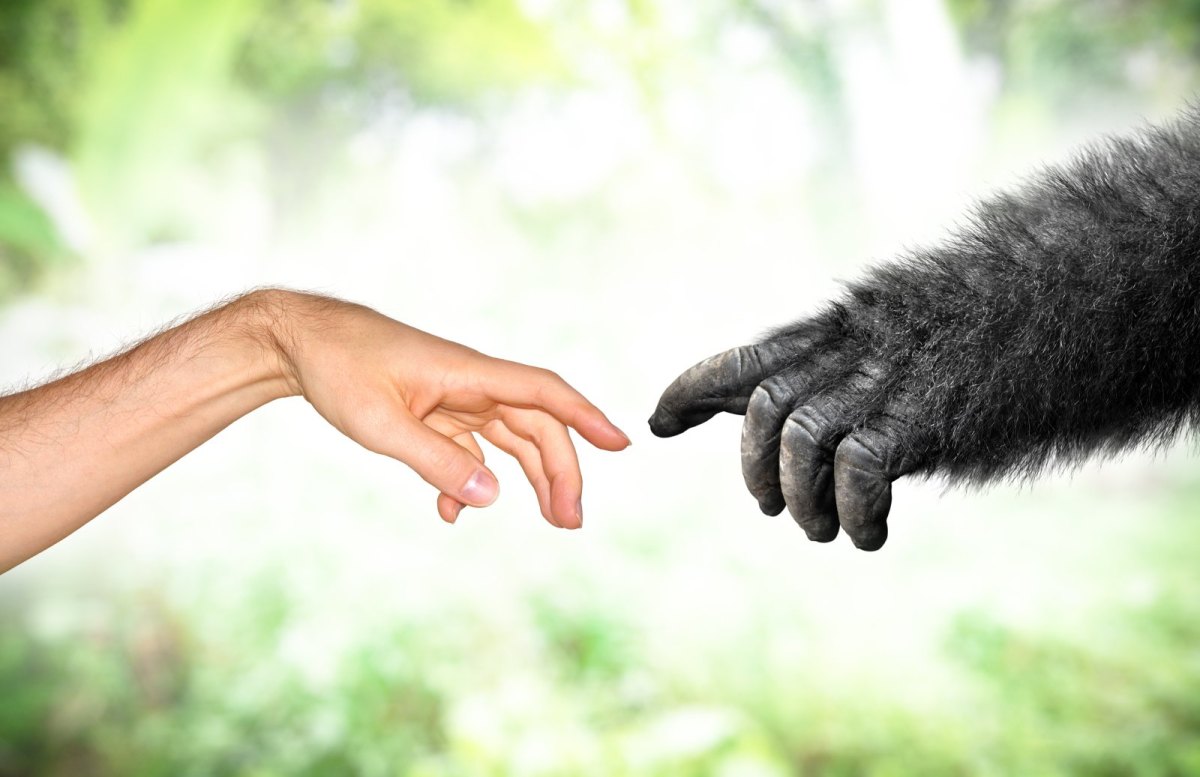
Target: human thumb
<point x="443" y="463"/>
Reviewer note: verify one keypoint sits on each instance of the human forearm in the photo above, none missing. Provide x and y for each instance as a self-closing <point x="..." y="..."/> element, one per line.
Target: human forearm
<point x="72" y="448"/>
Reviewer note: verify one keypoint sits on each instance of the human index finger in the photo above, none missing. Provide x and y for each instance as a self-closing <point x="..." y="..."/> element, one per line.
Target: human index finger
<point x="520" y="385"/>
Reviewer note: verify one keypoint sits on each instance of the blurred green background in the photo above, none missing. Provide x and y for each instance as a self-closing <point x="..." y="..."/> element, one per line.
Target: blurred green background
<point x="614" y="189"/>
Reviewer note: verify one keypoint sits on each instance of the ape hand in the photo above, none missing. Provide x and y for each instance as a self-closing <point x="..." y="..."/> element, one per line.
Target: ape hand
<point x="1064" y="321"/>
<point x="829" y="424"/>
<point x="420" y="399"/>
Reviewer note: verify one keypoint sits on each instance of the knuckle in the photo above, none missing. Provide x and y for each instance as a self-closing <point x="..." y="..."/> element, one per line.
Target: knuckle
<point x="548" y="385"/>
<point x="745" y="358"/>
<point x="550" y="377"/>
<point x="760" y="399"/>
<point x="855" y="451"/>
<point x="779" y="389"/>
<point x="804" y="427"/>
<point x="771" y="397"/>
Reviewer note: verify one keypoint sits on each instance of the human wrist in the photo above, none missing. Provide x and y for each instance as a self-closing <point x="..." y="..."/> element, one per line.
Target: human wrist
<point x="268" y="318"/>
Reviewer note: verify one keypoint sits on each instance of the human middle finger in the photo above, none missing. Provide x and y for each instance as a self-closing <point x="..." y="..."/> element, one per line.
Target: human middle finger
<point x="528" y="456"/>
<point x="559" y="460"/>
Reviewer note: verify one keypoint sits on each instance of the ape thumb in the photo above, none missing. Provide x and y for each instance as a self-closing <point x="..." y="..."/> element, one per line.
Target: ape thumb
<point x="719" y="384"/>
<point x="445" y="464"/>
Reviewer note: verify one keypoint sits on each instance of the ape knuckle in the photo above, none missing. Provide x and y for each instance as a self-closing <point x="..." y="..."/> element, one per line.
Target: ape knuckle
<point x="760" y="396"/>
<point x="868" y="372"/>
<point x="762" y="413"/>
<point x="747" y="359"/>
<point x="776" y="391"/>
<point x="795" y="434"/>
<point x="808" y="425"/>
<point x="859" y="451"/>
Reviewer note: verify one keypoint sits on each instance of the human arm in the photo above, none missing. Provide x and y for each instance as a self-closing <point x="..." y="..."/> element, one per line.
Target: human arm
<point x="73" y="447"/>
<point x="1064" y="320"/>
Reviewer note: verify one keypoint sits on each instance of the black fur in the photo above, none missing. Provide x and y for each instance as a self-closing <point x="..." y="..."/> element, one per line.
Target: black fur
<point x="1064" y="320"/>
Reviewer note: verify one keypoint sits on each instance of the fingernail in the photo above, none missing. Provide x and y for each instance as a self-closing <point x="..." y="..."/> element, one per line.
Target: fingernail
<point x="481" y="490"/>
<point x="454" y="513"/>
<point x="579" y="512"/>
<point x="628" y="441"/>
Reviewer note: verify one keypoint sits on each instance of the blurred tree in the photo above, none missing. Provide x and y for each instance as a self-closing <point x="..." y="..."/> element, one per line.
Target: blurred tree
<point x="1064" y="55"/>
<point x="44" y="47"/>
<point x="1052" y="57"/>
<point x="325" y="68"/>
<point x="443" y="53"/>
<point x="137" y="93"/>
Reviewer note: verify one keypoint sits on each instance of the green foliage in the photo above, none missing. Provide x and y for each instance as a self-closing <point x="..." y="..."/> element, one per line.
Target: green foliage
<point x="1069" y="52"/>
<point x="45" y="48"/>
<point x="155" y="96"/>
<point x="136" y="683"/>
<point x="434" y="53"/>
<point x="141" y="94"/>
<point x="1048" y="698"/>
<point x="584" y="641"/>
<point x="28" y="240"/>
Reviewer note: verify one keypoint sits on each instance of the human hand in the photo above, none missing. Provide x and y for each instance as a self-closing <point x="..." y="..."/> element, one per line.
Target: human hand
<point x="420" y="399"/>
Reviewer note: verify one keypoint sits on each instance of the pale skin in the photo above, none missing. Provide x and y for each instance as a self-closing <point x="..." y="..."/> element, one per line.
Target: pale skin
<point x="72" y="448"/>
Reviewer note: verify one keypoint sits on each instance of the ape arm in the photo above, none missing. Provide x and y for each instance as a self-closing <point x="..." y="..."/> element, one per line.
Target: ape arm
<point x="1063" y="320"/>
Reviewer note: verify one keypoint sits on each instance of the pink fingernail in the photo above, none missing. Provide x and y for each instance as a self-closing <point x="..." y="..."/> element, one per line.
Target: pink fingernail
<point x="481" y="490"/>
<point x="579" y="512"/>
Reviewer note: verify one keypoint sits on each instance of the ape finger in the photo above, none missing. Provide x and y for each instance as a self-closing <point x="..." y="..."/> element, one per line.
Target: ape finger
<point x="721" y="383"/>
<point x="810" y="437"/>
<point x="865" y="465"/>
<point x="770" y="405"/>
<point x="768" y="408"/>
<point x="806" y="450"/>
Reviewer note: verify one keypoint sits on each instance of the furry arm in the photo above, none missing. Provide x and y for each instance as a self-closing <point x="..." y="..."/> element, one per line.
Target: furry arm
<point x="1062" y="320"/>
